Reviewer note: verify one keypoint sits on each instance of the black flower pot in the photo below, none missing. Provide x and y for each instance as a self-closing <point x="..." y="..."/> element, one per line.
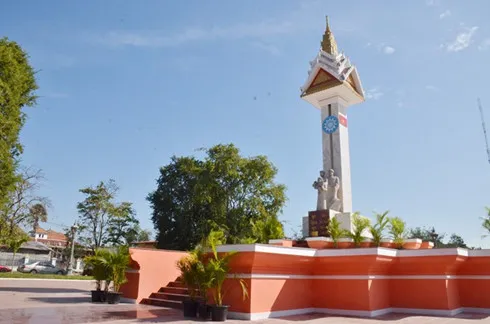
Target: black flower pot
<point x="97" y="296"/>
<point x="219" y="313"/>
<point x="204" y="311"/>
<point x="113" y="297"/>
<point x="190" y="308"/>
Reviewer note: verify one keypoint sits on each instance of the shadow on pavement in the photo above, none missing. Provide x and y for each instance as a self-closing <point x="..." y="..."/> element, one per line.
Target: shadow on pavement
<point x="43" y="290"/>
<point x="61" y="300"/>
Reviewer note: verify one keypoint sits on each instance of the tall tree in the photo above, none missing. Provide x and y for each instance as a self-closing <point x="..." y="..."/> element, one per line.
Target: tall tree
<point x="98" y="212"/>
<point x="37" y="213"/>
<point x="124" y="227"/>
<point x="17" y="212"/>
<point x="17" y="86"/>
<point x="223" y="191"/>
<point x="423" y="233"/>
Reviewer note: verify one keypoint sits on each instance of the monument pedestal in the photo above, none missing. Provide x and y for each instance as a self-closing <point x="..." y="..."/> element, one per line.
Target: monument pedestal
<point x="315" y="224"/>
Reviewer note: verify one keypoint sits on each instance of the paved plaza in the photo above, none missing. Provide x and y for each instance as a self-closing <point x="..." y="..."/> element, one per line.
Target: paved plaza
<point x="68" y="302"/>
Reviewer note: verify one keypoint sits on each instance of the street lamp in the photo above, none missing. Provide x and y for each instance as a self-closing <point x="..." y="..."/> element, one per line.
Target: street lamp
<point x="73" y="237"/>
<point x="434" y="236"/>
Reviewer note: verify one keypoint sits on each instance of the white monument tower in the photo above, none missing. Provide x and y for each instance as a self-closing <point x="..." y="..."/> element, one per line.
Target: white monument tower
<point x="332" y="86"/>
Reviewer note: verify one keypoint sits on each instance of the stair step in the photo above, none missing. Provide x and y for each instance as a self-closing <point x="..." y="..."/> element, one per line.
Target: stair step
<point x="162" y="303"/>
<point x="174" y="290"/>
<point x="177" y="284"/>
<point x="169" y="296"/>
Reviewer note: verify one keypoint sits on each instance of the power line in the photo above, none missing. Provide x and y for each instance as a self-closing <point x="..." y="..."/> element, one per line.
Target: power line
<point x="484" y="129"/>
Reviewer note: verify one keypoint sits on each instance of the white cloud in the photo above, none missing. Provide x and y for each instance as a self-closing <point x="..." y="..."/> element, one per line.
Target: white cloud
<point x="484" y="45"/>
<point x="388" y="50"/>
<point x="462" y="41"/>
<point x="374" y="93"/>
<point x="445" y="14"/>
<point x="431" y="87"/>
<point x="161" y="39"/>
<point x="269" y="48"/>
<point x="432" y="3"/>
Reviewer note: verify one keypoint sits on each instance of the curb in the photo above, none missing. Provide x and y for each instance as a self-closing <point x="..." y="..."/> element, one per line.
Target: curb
<point x="47" y="279"/>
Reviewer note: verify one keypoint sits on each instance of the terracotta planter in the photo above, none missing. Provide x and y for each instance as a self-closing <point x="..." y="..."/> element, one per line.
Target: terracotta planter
<point x="281" y="242"/>
<point x="319" y="242"/>
<point x="367" y="243"/>
<point x="427" y="245"/>
<point x="345" y="243"/>
<point x="412" y="244"/>
<point x="388" y="244"/>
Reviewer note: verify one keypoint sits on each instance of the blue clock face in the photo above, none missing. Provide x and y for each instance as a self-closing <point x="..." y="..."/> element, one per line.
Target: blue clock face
<point x="330" y="124"/>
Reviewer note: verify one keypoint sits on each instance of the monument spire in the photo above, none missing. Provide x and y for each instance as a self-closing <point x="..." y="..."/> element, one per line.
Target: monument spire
<point x="329" y="44"/>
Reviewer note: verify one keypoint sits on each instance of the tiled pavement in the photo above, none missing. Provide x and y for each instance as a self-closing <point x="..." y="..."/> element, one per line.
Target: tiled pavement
<point x="68" y="302"/>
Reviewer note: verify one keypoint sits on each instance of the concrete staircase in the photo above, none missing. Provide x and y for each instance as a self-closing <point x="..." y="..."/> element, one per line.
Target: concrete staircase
<point x="170" y="296"/>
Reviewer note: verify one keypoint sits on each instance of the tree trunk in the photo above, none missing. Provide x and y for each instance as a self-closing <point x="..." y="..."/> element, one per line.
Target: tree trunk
<point x="13" y="260"/>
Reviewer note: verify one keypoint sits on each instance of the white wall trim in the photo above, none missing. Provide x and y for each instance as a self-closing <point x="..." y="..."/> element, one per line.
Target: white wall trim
<point x="356" y="313"/>
<point x="264" y="315"/>
<point x="430" y="312"/>
<point x="479" y="253"/>
<point x="128" y="300"/>
<point x="432" y="252"/>
<point x="354" y="277"/>
<point x="308" y="252"/>
<point x="476" y="310"/>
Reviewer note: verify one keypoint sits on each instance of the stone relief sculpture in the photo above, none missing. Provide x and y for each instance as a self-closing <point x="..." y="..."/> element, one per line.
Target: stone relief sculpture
<point x="328" y="186"/>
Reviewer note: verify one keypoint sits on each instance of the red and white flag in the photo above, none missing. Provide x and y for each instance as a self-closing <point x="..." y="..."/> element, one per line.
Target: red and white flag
<point x="343" y="120"/>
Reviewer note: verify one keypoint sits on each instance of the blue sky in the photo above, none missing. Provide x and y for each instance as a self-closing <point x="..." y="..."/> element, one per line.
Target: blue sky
<point x="125" y="85"/>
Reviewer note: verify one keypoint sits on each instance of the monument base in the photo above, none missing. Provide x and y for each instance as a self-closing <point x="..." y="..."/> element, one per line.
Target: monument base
<point x="315" y="224"/>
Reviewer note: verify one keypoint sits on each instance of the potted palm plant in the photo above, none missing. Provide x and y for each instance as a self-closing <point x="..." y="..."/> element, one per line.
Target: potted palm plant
<point x="360" y="224"/>
<point x="218" y="267"/>
<point x="335" y="231"/>
<point x="188" y="266"/>
<point x="100" y="274"/>
<point x="377" y="230"/>
<point x="116" y="263"/>
<point x="397" y="230"/>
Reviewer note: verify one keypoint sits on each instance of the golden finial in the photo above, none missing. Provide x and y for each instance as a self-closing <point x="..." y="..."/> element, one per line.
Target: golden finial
<point x="329" y="44"/>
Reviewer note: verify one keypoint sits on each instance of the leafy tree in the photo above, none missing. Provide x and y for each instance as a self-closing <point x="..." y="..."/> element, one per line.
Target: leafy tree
<point x="22" y="202"/>
<point x="223" y="191"/>
<point x="15" y="243"/>
<point x="265" y="230"/>
<point x="37" y="213"/>
<point x="456" y="241"/>
<point x="98" y="212"/>
<point x="123" y="229"/>
<point x="17" y="86"/>
<point x="426" y="235"/>
<point x="143" y="235"/>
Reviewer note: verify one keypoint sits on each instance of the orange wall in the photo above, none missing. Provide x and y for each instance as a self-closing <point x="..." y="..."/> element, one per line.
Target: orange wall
<point x="360" y="280"/>
<point x="150" y="270"/>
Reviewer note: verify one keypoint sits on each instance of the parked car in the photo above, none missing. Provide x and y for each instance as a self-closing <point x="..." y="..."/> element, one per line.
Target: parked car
<point x="44" y="267"/>
<point x="5" y="269"/>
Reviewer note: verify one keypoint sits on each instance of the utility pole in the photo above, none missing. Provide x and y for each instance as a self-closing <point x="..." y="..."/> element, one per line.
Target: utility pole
<point x="480" y="107"/>
<point x="73" y="235"/>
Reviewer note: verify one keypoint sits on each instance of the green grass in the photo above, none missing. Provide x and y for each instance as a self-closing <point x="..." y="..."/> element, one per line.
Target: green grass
<point x="42" y="276"/>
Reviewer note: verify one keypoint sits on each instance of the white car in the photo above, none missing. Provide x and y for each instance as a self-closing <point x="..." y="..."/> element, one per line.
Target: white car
<point x="41" y="267"/>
